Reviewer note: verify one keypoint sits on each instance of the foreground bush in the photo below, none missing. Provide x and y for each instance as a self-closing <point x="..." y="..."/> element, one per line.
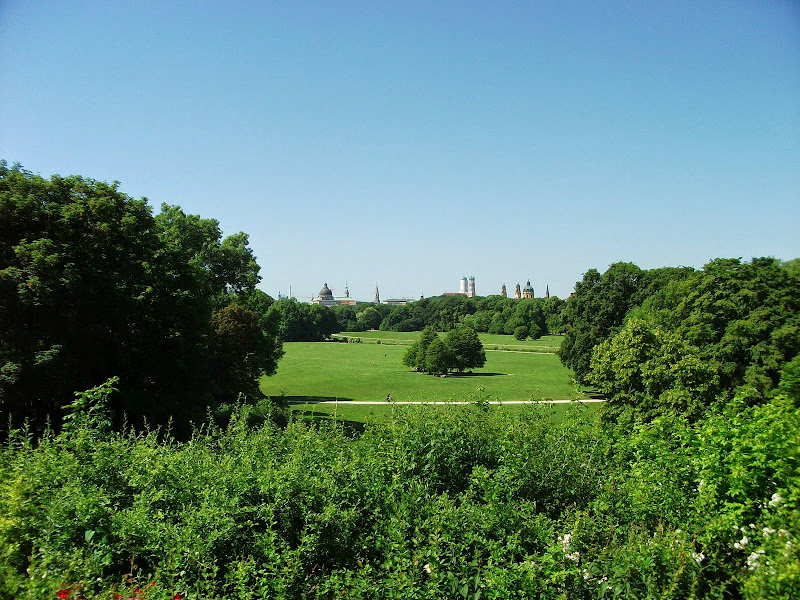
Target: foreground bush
<point x="426" y="504"/>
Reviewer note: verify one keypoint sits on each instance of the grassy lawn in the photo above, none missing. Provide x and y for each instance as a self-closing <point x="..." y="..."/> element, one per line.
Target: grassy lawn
<point x="331" y="371"/>
<point x="355" y="414"/>
<point x="548" y="343"/>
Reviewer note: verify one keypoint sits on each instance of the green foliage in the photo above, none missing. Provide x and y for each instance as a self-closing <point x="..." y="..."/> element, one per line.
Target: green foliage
<point x="434" y="503"/>
<point x="240" y="349"/>
<point x="416" y="355"/>
<point x="302" y="322"/>
<point x="600" y="303"/>
<point x="465" y="348"/>
<point x="696" y="343"/>
<point x="418" y="505"/>
<point x="648" y="371"/>
<point x="521" y="332"/>
<point x="92" y="285"/>
<point x="438" y="358"/>
<point x="461" y="350"/>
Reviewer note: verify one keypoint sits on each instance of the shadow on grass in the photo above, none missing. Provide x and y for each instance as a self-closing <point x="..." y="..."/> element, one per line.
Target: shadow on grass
<point x="476" y="374"/>
<point x="593" y="394"/>
<point x="350" y="428"/>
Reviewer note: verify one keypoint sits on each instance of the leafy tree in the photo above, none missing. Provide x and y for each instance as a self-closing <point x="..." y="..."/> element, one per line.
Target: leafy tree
<point x="744" y="317"/>
<point x="597" y="308"/>
<point x="240" y="350"/>
<point x="792" y="267"/>
<point x="645" y="371"/>
<point x="369" y="318"/>
<point x="521" y="332"/>
<point x="497" y="324"/>
<point x="725" y="331"/>
<point x="465" y="348"/>
<point x="438" y="357"/>
<point x="415" y="356"/>
<point x="301" y="322"/>
<point x="92" y="285"/>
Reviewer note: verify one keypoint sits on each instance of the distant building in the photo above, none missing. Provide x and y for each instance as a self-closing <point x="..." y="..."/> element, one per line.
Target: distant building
<point x="527" y="291"/>
<point x="398" y="301"/>
<point x="377" y="298"/>
<point x="466" y="288"/>
<point x="326" y="298"/>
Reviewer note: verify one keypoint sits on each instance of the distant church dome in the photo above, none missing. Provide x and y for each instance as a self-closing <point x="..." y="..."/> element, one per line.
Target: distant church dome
<point x="527" y="291"/>
<point x="325" y="293"/>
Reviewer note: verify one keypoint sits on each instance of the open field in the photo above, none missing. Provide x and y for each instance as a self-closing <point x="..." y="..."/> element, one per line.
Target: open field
<point x="329" y="371"/>
<point x="355" y="414"/>
<point x="548" y="343"/>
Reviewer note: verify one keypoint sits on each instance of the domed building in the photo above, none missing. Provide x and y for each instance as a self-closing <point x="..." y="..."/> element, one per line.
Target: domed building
<point x="527" y="291"/>
<point x="326" y="298"/>
<point x="520" y="293"/>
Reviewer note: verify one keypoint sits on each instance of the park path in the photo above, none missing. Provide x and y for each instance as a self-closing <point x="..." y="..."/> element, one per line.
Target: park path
<point x="348" y="402"/>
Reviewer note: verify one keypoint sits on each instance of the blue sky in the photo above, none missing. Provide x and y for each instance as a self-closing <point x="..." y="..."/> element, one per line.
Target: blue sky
<point x="410" y="143"/>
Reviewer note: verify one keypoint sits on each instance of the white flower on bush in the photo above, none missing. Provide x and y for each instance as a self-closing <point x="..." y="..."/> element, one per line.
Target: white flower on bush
<point x="776" y="499"/>
<point x="573" y="556"/>
<point x="767" y="531"/>
<point x="753" y="560"/>
<point x="698" y="557"/>
<point x="564" y="541"/>
<point x="740" y="545"/>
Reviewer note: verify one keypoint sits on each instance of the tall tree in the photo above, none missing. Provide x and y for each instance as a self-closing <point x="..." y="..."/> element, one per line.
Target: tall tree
<point x="93" y="286"/>
<point x="597" y="308"/>
<point x="466" y="349"/>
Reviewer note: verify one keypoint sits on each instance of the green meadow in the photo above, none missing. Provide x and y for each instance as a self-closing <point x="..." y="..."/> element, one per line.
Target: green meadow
<point x="312" y="372"/>
<point x="548" y="343"/>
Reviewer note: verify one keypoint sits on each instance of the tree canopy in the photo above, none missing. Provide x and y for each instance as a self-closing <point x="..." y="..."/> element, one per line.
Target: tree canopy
<point x="93" y="285"/>
<point x="460" y="351"/>
<point x="599" y="304"/>
<point x="726" y="330"/>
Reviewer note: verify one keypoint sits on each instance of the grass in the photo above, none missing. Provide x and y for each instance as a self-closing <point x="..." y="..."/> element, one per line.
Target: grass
<point x="314" y="372"/>
<point x="355" y="415"/>
<point x="548" y="343"/>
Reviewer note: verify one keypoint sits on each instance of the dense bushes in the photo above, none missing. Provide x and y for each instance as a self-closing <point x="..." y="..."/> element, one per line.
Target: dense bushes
<point x="429" y="503"/>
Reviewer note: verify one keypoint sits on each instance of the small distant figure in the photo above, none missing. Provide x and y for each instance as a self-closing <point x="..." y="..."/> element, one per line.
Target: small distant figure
<point x="373" y="363"/>
<point x="388" y="397"/>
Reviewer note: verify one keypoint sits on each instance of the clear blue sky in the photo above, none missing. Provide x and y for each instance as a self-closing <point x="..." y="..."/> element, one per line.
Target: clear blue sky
<point x="411" y="143"/>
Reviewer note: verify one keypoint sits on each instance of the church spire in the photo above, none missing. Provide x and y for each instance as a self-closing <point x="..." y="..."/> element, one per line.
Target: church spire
<point x="377" y="299"/>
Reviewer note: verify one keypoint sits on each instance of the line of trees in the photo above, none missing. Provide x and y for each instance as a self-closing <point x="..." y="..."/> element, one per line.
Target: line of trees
<point x="532" y="317"/>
